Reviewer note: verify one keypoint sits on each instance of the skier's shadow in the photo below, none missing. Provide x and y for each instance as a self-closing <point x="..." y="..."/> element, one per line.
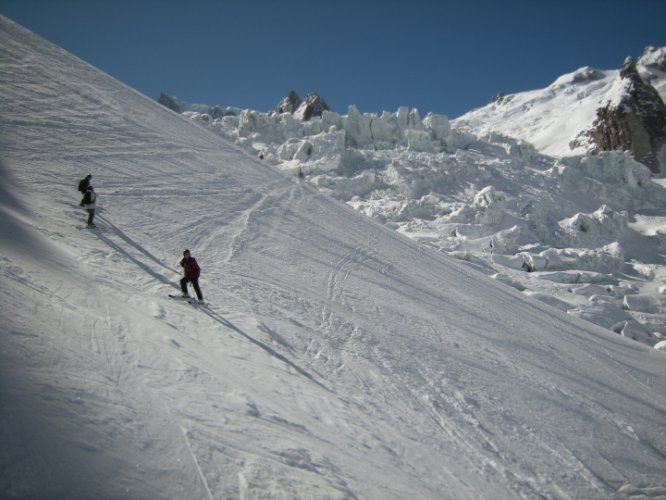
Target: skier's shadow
<point x="12" y="232"/>
<point x="225" y="322"/>
<point x="158" y="276"/>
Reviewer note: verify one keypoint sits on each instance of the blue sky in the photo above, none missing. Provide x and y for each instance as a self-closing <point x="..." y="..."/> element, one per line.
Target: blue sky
<point x="446" y="57"/>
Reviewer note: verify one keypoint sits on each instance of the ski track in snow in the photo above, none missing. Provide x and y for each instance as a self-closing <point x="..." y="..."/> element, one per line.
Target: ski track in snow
<point x="334" y="358"/>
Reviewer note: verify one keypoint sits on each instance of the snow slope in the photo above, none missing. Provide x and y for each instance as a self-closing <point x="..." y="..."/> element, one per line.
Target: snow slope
<point x="336" y="358"/>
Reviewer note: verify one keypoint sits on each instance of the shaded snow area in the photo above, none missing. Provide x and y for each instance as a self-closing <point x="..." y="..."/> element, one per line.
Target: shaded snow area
<point x="584" y="234"/>
<point x="334" y="357"/>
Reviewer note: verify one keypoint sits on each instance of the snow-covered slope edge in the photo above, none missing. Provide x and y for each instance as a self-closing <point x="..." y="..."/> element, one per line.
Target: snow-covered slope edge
<point x="337" y="359"/>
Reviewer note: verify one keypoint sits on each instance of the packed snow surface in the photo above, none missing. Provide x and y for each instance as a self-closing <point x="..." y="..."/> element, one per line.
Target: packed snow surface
<point x="335" y="357"/>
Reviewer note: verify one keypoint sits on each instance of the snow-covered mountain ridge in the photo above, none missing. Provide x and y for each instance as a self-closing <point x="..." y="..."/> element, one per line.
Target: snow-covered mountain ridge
<point x="553" y="117"/>
<point x="498" y="188"/>
<point x="335" y="358"/>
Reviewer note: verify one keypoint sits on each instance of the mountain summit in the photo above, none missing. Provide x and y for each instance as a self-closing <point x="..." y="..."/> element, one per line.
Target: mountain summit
<point x="303" y="109"/>
<point x="589" y="110"/>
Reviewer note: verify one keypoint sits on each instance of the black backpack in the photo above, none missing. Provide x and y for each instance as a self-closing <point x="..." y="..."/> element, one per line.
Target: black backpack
<point x="83" y="185"/>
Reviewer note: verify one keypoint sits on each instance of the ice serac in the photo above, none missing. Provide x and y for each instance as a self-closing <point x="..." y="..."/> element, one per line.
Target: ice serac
<point x="636" y="122"/>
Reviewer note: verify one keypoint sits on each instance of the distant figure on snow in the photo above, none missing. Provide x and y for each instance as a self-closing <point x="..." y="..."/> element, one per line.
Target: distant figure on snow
<point x="191" y="273"/>
<point x="88" y="203"/>
<point x="83" y="186"/>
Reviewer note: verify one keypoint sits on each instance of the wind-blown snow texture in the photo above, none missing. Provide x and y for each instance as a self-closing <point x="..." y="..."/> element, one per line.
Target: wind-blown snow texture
<point x="337" y="358"/>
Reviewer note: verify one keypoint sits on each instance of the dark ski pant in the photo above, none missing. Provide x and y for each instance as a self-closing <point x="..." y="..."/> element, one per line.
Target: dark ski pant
<point x="195" y="285"/>
<point x="91" y="215"/>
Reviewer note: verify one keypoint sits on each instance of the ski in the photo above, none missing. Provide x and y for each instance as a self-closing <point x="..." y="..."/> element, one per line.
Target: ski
<point x="189" y="300"/>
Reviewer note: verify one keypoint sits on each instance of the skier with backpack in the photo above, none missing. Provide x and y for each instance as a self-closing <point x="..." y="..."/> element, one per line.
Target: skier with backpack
<point x="83" y="186"/>
<point x="191" y="272"/>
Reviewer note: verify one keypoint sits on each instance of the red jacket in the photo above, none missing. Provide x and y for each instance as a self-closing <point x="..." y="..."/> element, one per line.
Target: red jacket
<point x="190" y="267"/>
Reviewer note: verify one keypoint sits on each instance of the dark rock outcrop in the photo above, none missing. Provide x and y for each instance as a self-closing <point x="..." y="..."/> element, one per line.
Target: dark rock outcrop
<point x="218" y="112"/>
<point x="313" y="105"/>
<point x="637" y="123"/>
<point x="169" y="102"/>
<point x="501" y="98"/>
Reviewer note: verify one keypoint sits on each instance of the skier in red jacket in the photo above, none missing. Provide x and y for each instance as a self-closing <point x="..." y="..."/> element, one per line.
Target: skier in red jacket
<point x="191" y="273"/>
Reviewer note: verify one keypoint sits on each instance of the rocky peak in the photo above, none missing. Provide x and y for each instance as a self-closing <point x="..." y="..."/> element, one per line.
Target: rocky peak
<point x="636" y="123"/>
<point x="628" y="69"/>
<point x="313" y="105"/>
<point x="289" y="104"/>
